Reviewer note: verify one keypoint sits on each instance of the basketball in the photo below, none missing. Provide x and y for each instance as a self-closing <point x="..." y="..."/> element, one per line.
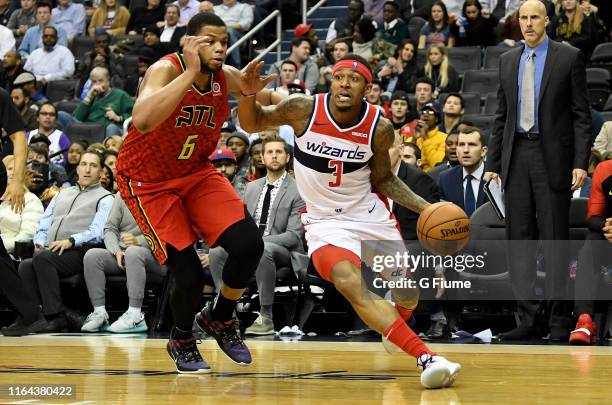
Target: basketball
<point x="443" y="228"/>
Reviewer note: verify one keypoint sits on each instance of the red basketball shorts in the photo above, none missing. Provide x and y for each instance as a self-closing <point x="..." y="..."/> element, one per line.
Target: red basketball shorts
<point x="179" y="211"/>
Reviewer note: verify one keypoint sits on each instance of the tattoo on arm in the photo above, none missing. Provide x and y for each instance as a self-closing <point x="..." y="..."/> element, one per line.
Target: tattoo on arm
<point x="383" y="179"/>
<point x="293" y="111"/>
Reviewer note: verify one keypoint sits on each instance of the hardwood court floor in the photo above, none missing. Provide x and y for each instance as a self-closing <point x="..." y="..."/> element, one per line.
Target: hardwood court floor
<point x="128" y="370"/>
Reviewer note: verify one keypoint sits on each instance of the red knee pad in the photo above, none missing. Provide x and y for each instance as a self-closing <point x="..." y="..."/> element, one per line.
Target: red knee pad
<point x="326" y="257"/>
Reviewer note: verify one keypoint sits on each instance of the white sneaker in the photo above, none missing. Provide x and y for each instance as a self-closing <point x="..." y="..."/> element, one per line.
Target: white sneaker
<point x="437" y="371"/>
<point x="128" y="323"/>
<point x="95" y="322"/>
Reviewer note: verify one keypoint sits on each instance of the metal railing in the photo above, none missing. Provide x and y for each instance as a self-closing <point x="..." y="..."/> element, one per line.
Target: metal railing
<point x="276" y="44"/>
<point x="307" y="13"/>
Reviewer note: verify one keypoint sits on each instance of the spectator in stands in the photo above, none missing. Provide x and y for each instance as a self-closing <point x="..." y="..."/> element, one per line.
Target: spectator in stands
<point x="393" y="29"/>
<point x="403" y="121"/>
<point x="110" y="17"/>
<point x="7" y="40"/>
<point x="257" y="169"/>
<point x="11" y="68"/>
<point x="152" y="42"/>
<point x="437" y="29"/>
<point x="151" y="13"/>
<point x="74" y="218"/>
<point x="308" y="31"/>
<point x="127" y="252"/>
<point x="113" y="143"/>
<point x="5" y="12"/>
<point x="70" y="17"/>
<point x="38" y="151"/>
<point x="225" y="162"/>
<point x="101" y="47"/>
<point x="429" y="138"/>
<point x="400" y="71"/>
<point x="146" y="57"/>
<point x="110" y="160"/>
<point x="418" y="182"/>
<point x="171" y="32"/>
<point x="276" y="206"/>
<point x="308" y="72"/>
<point x="18" y="227"/>
<point x="238" y="17"/>
<point x="453" y="112"/>
<point x="374" y="96"/>
<point x="572" y="27"/>
<point x="415" y="8"/>
<point x="342" y="27"/>
<point x="27" y="81"/>
<point x="206" y="7"/>
<point x="410" y="153"/>
<point x="511" y="31"/>
<point x="98" y="60"/>
<point x="424" y="91"/>
<point x="22" y="18"/>
<point x="52" y="61"/>
<point x="188" y="8"/>
<point x="287" y="75"/>
<point x="475" y="27"/>
<point x="595" y="254"/>
<point x="450" y="155"/>
<point x="501" y="9"/>
<point x="374" y="10"/>
<point x="440" y="71"/>
<point x="74" y="156"/>
<point x="603" y="143"/>
<point x="22" y="102"/>
<point x="238" y="143"/>
<point x="367" y="45"/>
<point x="463" y="184"/>
<point x="103" y="104"/>
<point x="33" y="38"/>
<point x="58" y="141"/>
<point x="341" y="48"/>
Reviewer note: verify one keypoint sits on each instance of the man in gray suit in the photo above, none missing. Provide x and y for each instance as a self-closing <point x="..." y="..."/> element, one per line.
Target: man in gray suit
<point x="540" y="149"/>
<point x="275" y="205"/>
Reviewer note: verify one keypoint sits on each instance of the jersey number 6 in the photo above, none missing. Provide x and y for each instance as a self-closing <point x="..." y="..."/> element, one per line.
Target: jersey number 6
<point x="188" y="147"/>
<point x="335" y="164"/>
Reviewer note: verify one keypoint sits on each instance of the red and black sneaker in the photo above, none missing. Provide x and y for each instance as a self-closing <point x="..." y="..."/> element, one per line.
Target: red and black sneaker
<point x="585" y="332"/>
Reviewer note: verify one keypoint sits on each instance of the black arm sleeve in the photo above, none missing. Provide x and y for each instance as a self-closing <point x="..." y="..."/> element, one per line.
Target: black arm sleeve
<point x="10" y="119"/>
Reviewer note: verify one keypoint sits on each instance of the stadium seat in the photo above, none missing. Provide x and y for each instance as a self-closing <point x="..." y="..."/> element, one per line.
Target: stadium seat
<point x="608" y="105"/>
<point x="598" y="75"/>
<point x="81" y="45"/>
<point x="602" y="53"/>
<point x="87" y="131"/>
<point x="484" y="122"/>
<point x="130" y="65"/>
<point x="598" y="95"/>
<point x="61" y="90"/>
<point x="492" y="55"/>
<point x="577" y="218"/>
<point x="414" y="27"/>
<point x="490" y="104"/>
<point x="67" y="105"/>
<point x="471" y="100"/>
<point x="606" y="115"/>
<point x="465" y="58"/>
<point x="480" y="81"/>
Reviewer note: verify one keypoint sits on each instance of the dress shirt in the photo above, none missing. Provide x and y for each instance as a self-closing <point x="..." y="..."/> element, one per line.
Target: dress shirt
<point x="262" y="195"/>
<point x="33" y="40"/>
<point x="167" y="33"/>
<point x="55" y="65"/>
<point x="7" y="40"/>
<point x="71" y="19"/>
<point x="238" y="13"/>
<point x="192" y="8"/>
<point x="540" y="60"/>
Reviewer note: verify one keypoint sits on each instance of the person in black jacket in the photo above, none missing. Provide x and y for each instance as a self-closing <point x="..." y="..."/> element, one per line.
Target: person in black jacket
<point x="170" y="31"/>
<point x="475" y="27"/>
<point x="141" y="17"/>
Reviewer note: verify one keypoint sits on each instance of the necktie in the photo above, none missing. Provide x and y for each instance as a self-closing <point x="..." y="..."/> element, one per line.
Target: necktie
<point x="470" y="201"/>
<point x="528" y="94"/>
<point x="263" y="220"/>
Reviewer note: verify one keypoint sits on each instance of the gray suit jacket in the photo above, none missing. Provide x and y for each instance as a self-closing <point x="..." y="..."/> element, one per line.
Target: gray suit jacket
<point x="286" y="227"/>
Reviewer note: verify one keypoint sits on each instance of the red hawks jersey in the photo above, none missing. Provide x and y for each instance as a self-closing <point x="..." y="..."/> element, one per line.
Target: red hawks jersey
<point x="332" y="164"/>
<point x="183" y="142"/>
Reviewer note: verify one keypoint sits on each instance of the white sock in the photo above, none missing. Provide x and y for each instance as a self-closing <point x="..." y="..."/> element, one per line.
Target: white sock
<point x="100" y="310"/>
<point x="134" y="311"/>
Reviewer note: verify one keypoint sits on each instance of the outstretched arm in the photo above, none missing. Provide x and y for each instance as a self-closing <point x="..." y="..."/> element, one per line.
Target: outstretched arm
<point x="383" y="179"/>
<point x="293" y="111"/>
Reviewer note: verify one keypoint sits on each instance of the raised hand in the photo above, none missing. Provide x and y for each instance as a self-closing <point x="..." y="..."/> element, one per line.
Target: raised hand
<point x="251" y="81"/>
<point x="191" y="53"/>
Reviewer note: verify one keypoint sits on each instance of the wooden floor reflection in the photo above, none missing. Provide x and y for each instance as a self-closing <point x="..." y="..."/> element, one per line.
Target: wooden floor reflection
<point x="127" y="370"/>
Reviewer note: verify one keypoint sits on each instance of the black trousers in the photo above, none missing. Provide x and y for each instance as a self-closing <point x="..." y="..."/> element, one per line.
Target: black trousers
<point x="43" y="272"/>
<point x="14" y="288"/>
<point x="596" y="252"/>
<point x="534" y="211"/>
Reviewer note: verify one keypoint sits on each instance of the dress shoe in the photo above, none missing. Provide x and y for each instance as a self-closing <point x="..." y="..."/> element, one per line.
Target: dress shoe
<point x="75" y="320"/>
<point x="58" y="323"/>
<point x="520" y="332"/>
<point x="19" y="328"/>
<point x="438" y="330"/>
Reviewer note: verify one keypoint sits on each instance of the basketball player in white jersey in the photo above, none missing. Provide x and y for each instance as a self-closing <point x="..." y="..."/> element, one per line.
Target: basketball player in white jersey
<point x="341" y="155"/>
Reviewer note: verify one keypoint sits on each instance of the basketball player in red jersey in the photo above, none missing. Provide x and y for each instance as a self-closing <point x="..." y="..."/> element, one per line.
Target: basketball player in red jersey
<point x="175" y="193"/>
<point x="341" y="158"/>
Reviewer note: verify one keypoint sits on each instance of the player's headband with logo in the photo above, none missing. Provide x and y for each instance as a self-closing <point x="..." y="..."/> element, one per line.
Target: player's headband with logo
<point x="356" y="66"/>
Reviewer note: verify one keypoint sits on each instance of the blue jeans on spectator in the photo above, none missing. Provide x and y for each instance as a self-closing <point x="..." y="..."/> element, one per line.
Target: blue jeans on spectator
<point x="64" y="118"/>
<point x="234" y="56"/>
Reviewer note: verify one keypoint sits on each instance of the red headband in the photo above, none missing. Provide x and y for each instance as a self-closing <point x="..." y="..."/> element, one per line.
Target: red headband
<point x="356" y="66"/>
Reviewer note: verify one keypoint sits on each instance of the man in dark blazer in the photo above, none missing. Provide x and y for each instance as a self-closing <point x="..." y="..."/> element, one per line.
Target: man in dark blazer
<point x="275" y="204"/>
<point x="170" y="31"/>
<point x="540" y="147"/>
<point x="462" y="184"/>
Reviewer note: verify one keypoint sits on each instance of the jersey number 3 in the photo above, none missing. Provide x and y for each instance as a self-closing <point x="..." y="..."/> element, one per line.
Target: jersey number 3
<point x="188" y="147"/>
<point x="337" y="173"/>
